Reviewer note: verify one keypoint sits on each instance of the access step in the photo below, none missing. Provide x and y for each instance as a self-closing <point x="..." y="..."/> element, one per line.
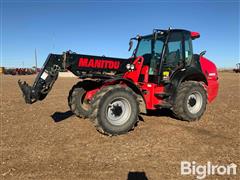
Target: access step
<point x="163" y="105"/>
<point x="162" y="95"/>
<point x="166" y="82"/>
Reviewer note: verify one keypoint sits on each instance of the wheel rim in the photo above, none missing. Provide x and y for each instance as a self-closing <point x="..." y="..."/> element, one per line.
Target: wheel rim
<point x="118" y="111"/>
<point x="194" y="102"/>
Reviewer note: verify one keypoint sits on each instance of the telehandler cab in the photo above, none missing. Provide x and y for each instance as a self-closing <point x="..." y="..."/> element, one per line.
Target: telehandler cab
<point x="162" y="73"/>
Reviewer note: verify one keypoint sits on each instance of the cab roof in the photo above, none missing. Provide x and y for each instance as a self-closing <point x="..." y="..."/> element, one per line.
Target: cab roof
<point x="194" y="35"/>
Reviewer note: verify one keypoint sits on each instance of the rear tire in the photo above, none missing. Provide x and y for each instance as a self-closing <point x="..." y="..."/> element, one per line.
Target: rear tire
<point x="190" y="101"/>
<point x="76" y="102"/>
<point x="115" y="110"/>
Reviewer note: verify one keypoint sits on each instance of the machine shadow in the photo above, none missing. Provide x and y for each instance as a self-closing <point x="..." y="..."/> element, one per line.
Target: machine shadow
<point x="137" y="176"/>
<point x="161" y="112"/>
<point x="61" y="116"/>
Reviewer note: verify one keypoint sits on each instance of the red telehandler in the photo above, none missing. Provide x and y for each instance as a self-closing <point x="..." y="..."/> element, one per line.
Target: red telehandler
<point x="162" y="73"/>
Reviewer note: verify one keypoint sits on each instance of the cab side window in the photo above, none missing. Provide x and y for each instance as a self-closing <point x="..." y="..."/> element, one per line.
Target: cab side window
<point x="174" y="49"/>
<point x="188" y="49"/>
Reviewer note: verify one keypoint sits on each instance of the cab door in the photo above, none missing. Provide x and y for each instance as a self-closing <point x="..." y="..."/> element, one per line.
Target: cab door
<point x="174" y="58"/>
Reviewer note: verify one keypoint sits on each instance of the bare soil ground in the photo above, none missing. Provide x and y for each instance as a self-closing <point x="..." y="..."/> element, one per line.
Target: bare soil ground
<point x="43" y="140"/>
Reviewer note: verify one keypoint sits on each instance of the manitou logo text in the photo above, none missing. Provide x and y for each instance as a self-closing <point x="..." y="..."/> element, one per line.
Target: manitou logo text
<point x="97" y="63"/>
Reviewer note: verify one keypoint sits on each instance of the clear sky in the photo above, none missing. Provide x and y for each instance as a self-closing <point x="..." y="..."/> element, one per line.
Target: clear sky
<point x="104" y="27"/>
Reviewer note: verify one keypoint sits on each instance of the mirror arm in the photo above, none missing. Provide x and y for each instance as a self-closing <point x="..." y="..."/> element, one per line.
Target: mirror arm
<point x="202" y="53"/>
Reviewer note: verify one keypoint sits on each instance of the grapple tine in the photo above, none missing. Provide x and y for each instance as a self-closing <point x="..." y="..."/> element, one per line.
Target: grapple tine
<point x="27" y="91"/>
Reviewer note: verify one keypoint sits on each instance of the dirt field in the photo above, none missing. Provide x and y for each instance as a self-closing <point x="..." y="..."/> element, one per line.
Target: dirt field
<point x="43" y="140"/>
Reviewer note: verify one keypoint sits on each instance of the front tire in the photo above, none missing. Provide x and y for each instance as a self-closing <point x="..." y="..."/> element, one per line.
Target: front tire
<point x="190" y="101"/>
<point x="115" y="110"/>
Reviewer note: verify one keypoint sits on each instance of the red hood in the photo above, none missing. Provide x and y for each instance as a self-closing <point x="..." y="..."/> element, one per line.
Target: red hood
<point x="208" y="68"/>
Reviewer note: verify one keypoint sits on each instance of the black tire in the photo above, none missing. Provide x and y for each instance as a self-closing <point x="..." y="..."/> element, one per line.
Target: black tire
<point x="115" y="110"/>
<point x="76" y="96"/>
<point x="190" y="101"/>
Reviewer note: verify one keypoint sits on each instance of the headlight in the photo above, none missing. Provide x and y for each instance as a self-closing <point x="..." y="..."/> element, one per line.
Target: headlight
<point x="132" y="67"/>
<point x="128" y="66"/>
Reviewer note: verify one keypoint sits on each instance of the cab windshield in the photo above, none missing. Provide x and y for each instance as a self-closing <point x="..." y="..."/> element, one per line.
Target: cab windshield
<point x="147" y="46"/>
<point x="151" y="50"/>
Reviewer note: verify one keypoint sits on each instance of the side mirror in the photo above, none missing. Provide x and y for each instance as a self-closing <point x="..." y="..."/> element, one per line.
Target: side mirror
<point x="130" y="45"/>
<point x="202" y="53"/>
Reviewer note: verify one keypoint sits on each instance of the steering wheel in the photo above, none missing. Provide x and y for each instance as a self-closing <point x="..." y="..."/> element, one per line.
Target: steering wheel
<point x="157" y="55"/>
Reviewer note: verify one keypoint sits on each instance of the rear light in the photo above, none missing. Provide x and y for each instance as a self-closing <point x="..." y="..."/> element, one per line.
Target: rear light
<point x="212" y="75"/>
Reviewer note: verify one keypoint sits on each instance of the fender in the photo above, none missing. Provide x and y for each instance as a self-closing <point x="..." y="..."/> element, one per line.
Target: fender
<point x="135" y="88"/>
<point x="191" y="73"/>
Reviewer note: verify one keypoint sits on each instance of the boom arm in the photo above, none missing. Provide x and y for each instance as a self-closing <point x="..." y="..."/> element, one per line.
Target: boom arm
<point x="80" y="65"/>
